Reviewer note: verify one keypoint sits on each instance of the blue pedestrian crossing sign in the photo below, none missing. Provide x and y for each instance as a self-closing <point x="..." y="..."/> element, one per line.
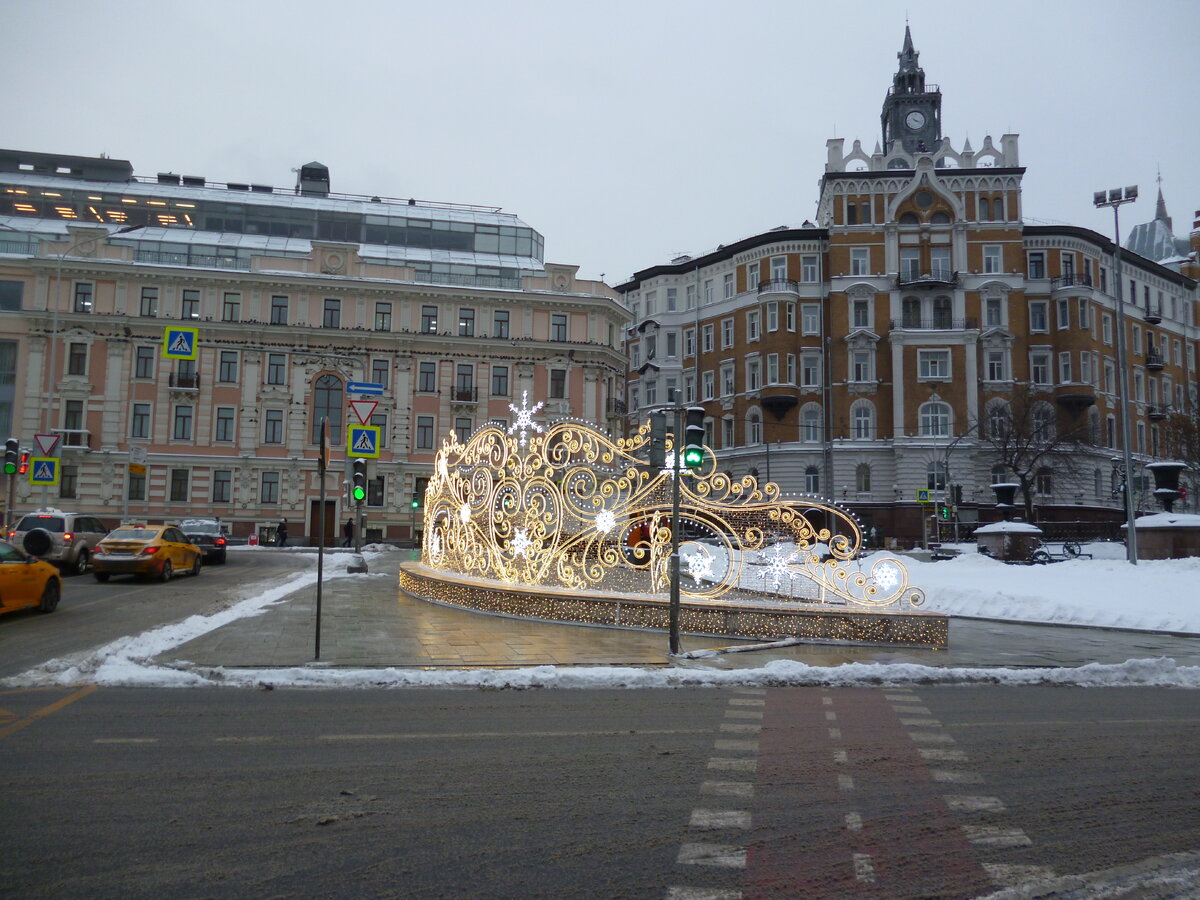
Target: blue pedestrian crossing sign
<point x="363" y="440"/>
<point x="180" y="342"/>
<point x="43" y="470"/>
<point x="923" y="495"/>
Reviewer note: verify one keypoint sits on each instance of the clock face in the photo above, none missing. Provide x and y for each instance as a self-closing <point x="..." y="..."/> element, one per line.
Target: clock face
<point x="914" y="120"/>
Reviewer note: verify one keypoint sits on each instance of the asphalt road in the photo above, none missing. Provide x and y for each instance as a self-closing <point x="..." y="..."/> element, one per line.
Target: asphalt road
<point x="789" y="792"/>
<point x="91" y="614"/>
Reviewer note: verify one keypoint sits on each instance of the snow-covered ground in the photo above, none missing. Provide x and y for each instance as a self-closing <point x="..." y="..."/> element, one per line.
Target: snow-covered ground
<point x="1104" y="591"/>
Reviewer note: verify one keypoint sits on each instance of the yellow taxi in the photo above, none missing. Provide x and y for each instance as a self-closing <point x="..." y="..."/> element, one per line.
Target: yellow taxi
<point x="26" y="581"/>
<point x="156" y="551"/>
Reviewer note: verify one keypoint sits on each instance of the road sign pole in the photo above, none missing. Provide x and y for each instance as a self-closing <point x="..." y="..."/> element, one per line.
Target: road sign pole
<point x="322" y="464"/>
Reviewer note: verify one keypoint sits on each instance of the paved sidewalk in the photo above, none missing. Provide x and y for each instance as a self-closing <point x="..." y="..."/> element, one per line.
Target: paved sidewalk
<point x="367" y="622"/>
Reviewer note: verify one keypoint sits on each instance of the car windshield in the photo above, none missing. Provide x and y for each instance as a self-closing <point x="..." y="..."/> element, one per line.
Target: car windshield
<point x="198" y="525"/>
<point x="132" y="534"/>
<point x="50" y="523"/>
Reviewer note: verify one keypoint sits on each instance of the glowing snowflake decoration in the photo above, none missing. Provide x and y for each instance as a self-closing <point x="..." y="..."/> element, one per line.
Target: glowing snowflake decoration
<point x="605" y="521"/>
<point x="521" y="543"/>
<point x="887" y="576"/>
<point x="669" y="468"/>
<point x="435" y="546"/>
<point x="464" y="513"/>
<point x="524" y="421"/>
<point x="778" y="567"/>
<point x="699" y="566"/>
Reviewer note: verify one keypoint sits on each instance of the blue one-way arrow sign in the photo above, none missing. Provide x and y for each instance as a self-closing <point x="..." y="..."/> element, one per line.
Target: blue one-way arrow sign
<point x="363" y="387"/>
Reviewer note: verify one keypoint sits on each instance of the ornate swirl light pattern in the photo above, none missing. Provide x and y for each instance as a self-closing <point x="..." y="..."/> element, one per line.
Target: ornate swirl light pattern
<point x="568" y="507"/>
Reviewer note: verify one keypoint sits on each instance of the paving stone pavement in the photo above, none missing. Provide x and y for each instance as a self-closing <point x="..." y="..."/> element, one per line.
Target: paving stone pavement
<point x="366" y="621"/>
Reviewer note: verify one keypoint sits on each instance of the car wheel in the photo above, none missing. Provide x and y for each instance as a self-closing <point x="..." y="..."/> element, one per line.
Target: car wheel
<point x="221" y="560"/>
<point x="167" y="571"/>
<point x="50" y="596"/>
<point x="100" y="576"/>
<point x="81" y="563"/>
<point x="196" y="566"/>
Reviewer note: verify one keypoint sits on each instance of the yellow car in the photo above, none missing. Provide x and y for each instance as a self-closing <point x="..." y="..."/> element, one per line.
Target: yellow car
<point x="26" y="581"/>
<point x="158" y="551"/>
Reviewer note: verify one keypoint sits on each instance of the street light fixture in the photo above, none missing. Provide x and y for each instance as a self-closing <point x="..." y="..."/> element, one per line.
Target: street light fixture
<point x="1115" y="197"/>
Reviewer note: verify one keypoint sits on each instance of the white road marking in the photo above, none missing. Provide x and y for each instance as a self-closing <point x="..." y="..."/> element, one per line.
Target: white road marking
<point x="854" y="821"/>
<point x="864" y="869"/>
<point x="757" y="692"/>
<point x="743" y="701"/>
<point x="950" y="777"/>
<point x="1016" y="875"/>
<point x="752" y="746"/>
<point x="828" y="701"/>
<point x="840" y="756"/>
<point x="902" y="697"/>
<point x="740" y="728"/>
<point x="830" y="716"/>
<point x="931" y="737"/>
<point x="743" y="714"/>
<point x="695" y="893"/>
<point x="845" y="783"/>
<point x="835" y="734"/>
<point x="720" y="818"/>
<point x="939" y="755"/>
<point x="723" y="856"/>
<point x="921" y="723"/>
<point x="734" y="765"/>
<point x="910" y="710"/>
<point x="727" y="788"/>
<point x="994" y="836"/>
<point x="973" y="803"/>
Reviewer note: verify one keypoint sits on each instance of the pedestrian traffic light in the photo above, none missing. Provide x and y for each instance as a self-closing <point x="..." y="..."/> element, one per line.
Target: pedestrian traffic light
<point x="415" y="503"/>
<point x="12" y="456"/>
<point x="358" y="485"/>
<point x="658" y="440"/>
<point x="23" y="466"/>
<point x="945" y="511"/>
<point x="693" y="450"/>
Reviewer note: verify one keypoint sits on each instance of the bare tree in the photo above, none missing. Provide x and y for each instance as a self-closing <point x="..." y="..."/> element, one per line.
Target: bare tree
<point x="1027" y="435"/>
<point x="1181" y="433"/>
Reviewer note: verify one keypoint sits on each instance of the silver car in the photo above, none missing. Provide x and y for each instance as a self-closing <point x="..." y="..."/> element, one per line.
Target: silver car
<point x="73" y="537"/>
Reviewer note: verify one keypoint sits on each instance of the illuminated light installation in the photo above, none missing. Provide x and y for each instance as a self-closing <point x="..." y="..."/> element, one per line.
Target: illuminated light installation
<point x="566" y="508"/>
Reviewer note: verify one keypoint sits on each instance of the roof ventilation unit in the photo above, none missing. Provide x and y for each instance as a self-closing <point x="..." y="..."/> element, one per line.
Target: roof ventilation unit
<point x="313" y="180"/>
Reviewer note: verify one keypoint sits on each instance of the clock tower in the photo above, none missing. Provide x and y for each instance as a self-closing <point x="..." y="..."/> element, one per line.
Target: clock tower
<point x="912" y="111"/>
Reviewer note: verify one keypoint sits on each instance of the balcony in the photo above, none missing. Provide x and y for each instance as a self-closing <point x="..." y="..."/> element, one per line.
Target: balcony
<point x="1154" y="360"/>
<point x="464" y="394"/>
<point x="938" y="278"/>
<point x="616" y="408"/>
<point x="184" y="382"/>
<point x="779" y="286"/>
<point x="780" y="399"/>
<point x="1070" y="281"/>
<point x="1157" y="413"/>
<point x="78" y="438"/>
<point x="1075" y="398"/>
<point x="1151" y="317"/>
<point x="936" y="323"/>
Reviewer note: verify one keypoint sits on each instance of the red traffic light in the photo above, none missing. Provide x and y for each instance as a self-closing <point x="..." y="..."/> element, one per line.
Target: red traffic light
<point x="23" y="465"/>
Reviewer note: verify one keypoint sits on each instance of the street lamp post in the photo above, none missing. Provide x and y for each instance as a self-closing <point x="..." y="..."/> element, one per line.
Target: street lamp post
<point x="1115" y="198"/>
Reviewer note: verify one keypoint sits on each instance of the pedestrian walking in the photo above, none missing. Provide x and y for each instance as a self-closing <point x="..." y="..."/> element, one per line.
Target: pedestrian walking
<point x="348" y="532"/>
<point x="281" y="534"/>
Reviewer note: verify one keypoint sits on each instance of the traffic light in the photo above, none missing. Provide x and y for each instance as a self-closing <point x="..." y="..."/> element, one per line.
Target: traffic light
<point x="23" y="466"/>
<point x="415" y="502"/>
<point x="12" y="456"/>
<point x="693" y="449"/>
<point x="957" y="492"/>
<point x="658" y="440"/>
<point x="358" y="485"/>
<point x="944" y="511"/>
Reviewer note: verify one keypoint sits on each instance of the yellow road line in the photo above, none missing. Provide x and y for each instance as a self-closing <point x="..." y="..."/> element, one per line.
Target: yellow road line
<point x="46" y="710"/>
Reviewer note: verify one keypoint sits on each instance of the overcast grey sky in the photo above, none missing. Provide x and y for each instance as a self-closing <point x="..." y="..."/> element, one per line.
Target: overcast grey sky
<point x="625" y="132"/>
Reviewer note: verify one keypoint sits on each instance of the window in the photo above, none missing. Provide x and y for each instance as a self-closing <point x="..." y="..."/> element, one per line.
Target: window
<point x="143" y="366"/>
<point x="727" y="384"/>
<point x="772" y="368"/>
<point x="726" y="333"/>
<point x="279" y="310"/>
<point x="466" y="323"/>
<point x="992" y="313"/>
<point x="427" y="377"/>
<point x="1039" y="367"/>
<point x="753" y="429"/>
<point x="1042" y="419"/>
<point x="933" y="364"/>
<point x="812" y="480"/>
<point x="424" y="432"/>
<point x="707" y="385"/>
<point x="935" y="419"/>
<point x="273" y="426"/>
<point x="179" y="485"/>
<point x="224" y="424"/>
<point x="860" y="260"/>
<point x="558" y="384"/>
<point x="727" y="432"/>
<point x="464" y="382"/>
<point x="672" y="344"/>
<point x="332" y="317"/>
<point x="993" y="259"/>
<point x="860" y="313"/>
<point x="910" y="264"/>
<point x="149" y="304"/>
<point x="651" y="303"/>
<point x="773" y="316"/>
<point x="558" y="327"/>
<point x="752" y="270"/>
<point x="996" y="370"/>
<point x="861" y="368"/>
<point x="376" y="491"/>
<point x="672" y="299"/>
<point x="189" y="306"/>
<point x="328" y="403"/>
<point x="380" y="370"/>
<point x="1037" y="264"/>
<point x="790" y="375"/>
<point x="1084" y="313"/>
<point x="752" y="325"/>
<point x="790" y="317"/>
<point x="73" y="415"/>
<point x="182" y="429"/>
<point x="862" y="421"/>
<point x="76" y="358"/>
<point x="728" y="284"/>
<point x="1110" y="377"/>
<point x="779" y="268"/>
<point x="68" y="484"/>
<point x="429" y="319"/>
<point x="1139" y="385"/>
<point x="462" y="429"/>
<point x="500" y="381"/>
<point x="1137" y="340"/>
<point x="1106" y="332"/>
<point x="276" y="368"/>
<point x="689" y="342"/>
<point x="810" y="370"/>
<point x="939" y="263"/>
<point x="83" y="298"/>
<point x="139" y="426"/>
<point x="1064" y="368"/>
<point x="1039" y="319"/>
<point x="137" y="487"/>
<point x="500" y="323"/>
<point x="690" y="295"/>
<point x="231" y="308"/>
<point x="810" y="319"/>
<point x="935" y="475"/>
<point x="810" y="424"/>
<point x="809" y="270"/>
<point x="708" y="292"/>
<point x="222" y="485"/>
<point x="753" y="371"/>
<point x="227" y="368"/>
<point x="862" y="478"/>
<point x="269" y="488"/>
<point x="1063" y="312"/>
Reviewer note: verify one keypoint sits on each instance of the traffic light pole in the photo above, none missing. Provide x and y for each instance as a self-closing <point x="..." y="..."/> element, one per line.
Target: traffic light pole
<point x="676" y="474"/>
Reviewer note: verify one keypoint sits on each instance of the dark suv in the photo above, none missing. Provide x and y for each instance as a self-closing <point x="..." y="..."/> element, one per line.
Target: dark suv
<point x="207" y="534"/>
<point x="73" y="537"/>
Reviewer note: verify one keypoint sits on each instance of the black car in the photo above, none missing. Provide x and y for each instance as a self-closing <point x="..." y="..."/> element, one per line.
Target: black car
<point x="207" y="534"/>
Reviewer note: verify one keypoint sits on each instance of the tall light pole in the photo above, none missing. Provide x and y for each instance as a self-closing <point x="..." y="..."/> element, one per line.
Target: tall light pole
<point x="1115" y="198"/>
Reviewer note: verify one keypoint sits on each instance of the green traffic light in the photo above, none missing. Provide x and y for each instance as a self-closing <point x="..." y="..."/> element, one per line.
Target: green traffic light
<point x="359" y="494"/>
<point x="10" y="468"/>
<point x="693" y="457"/>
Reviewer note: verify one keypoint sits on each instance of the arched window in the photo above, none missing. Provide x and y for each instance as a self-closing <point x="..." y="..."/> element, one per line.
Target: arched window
<point x="939" y="218"/>
<point x="328" y="402"/>
<point x="935" y="475"/>
<point x="1042" y="420"/>
<point x="909" y="218"/>
<point x="935" y="419"/>
<point x="941" y="312"/>
<point x="862" y="420"/>
<point x="1044" y="482"/>
<point x="1098" y="484"/>
<point x="810" y="424"/>
<point x="812" y="480"/>
<point x="1094" y="426"/>
<point x="1110" y="428"/>
<point x="998" y="419"/>
<point x="998" y="209"/>
<point x="862" y="478"/>
<point x="912" y="312"/>
<point x="753" y="428"/>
